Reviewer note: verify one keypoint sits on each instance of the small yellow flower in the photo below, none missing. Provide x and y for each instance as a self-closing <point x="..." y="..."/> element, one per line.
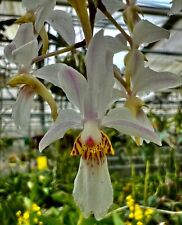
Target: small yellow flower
<point x="128" y="223"/>
<point x="131" y="215"/>
<point x="26" y="215"/>
<point x="40" y="223"/>
<point x="18" y="213"/>
<point x="42" y="163"/>
<point x="139" y="223"/>
<point x="39" y="213"/>
<point x="131" y="208"/>
<point x="35" y="220"/>
<point x="129" y="201"/>
<point x="149" y="212"/>
<point x="138" y="214"/>
<point x="35" y="207"/>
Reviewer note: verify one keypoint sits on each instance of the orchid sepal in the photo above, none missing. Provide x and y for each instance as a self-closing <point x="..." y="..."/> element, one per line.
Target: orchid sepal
<point x="122" y="120"/>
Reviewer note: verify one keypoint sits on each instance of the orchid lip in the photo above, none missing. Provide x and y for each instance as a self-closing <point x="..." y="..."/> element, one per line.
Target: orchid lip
<point x="95" y="152"/>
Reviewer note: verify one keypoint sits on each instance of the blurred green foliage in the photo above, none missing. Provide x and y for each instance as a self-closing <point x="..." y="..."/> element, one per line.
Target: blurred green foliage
<point x="160" y="186"/>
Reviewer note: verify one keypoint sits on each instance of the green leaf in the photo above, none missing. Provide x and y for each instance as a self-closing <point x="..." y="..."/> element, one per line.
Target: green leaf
<point x="117" y="220"/>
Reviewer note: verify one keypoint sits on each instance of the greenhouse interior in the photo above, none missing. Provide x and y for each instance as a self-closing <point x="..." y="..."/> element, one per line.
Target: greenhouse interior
<point x="90" y="112"/>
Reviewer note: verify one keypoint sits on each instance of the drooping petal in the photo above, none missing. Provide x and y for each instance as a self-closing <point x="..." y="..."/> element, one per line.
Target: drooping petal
<point x="99" y="64"/>
<point x="71" y="81"/>
<point x="122" y="120"/>
<point x="150" y="80"/>
<point x="8" y="51"/>
<point x="122" y="41"/>
<point x="43" y="13"/>
<point x="21" y="109"/>
<point x="176" y="7"/>
<point x="62" y="22"/>
<point x="146" y="32"/>
<point x="118" y="94"/>
<point x="66" y="119"/>
<point x="23" y="36"/>
<point x="93" y="191"/>
<point x="135" y="63"/>
<point x="24" y="54"/>
<point x="111" y="6"/>
<point x="143" y="119"/>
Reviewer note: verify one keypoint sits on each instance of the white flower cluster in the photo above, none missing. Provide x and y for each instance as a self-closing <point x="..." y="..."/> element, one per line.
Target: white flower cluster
<point x="93" y="96"/>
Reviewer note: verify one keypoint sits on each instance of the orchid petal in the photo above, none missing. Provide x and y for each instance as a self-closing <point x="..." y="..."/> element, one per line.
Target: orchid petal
<point x="135" y="63"/>
<point x="111" y="6"/>
<point x="71" y="81"/>
<point x="33" y="4"/>
<point x="143" y="119"/>
<point x="24" y="54"/>
<point x="8" y="51"/>
<point x="118" y="94"/>
<point x="24" y="34"/>
<point x="99" y="64"/>
<point x="66" y="119"/>
<point x="21" y="109"/>
<point x="122" y="120"/>
<point x="62" y="23"/>
<point x="123" y="41"/>
<point x="93" y="191"/>
<point x="150" y="80"/>
<point x="49" y="73"/>
<point x="176" y="7"/>
<point x="146" y="32"/>
<point x="42" y="14"/>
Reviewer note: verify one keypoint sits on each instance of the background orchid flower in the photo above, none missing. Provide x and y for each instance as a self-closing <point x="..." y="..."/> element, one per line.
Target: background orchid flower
<point x="93" y="191"/>
<point x="176" y="7"/>
<point x="21" y="51"/>
<point x="145" y="32"/>
<point x="143" y="80"/>
<point x="40" y="9"/>
<point x="23" y="48"/>
<point x="43" y="10"/>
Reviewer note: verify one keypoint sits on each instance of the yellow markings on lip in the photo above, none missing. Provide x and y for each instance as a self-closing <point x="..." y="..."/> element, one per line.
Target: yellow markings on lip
<point x="97" y="152"/>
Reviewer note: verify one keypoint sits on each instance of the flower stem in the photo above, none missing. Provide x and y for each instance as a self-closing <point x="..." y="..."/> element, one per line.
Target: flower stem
<point x="113" y="21"/>
<point x="61" y="51"/>
<point x="120" y="209"/>
<point x="119" y="78"/>
<point x="146" y="182"/>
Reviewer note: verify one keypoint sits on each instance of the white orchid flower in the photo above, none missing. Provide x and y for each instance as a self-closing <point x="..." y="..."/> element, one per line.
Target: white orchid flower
<point x="21" y="51"/>
<point x="23" y="48"/>
<point x="93" y="191"/>
<point x="176" y="7"/>
<point x="145" y="32"/>
<point x="143" y="80"/>
<point x="43" y="10"/>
